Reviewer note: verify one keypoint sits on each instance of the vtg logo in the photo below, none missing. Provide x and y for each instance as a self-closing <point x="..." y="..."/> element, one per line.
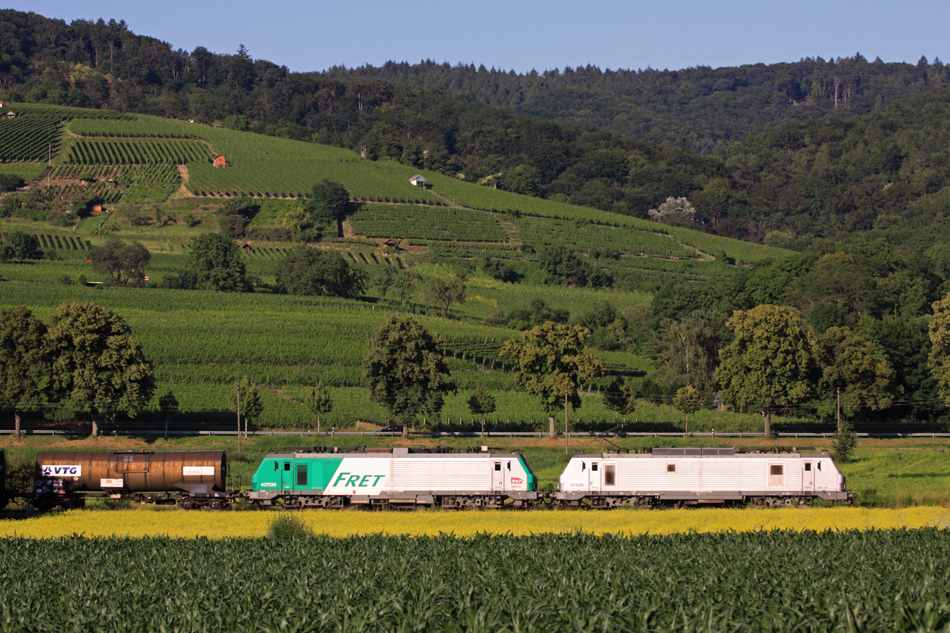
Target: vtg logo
<point x="62" y="471"/>
<point x="517" y="480"/>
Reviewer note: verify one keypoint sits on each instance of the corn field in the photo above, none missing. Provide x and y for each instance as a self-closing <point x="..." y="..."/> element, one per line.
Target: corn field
<point x="775" y="581"/>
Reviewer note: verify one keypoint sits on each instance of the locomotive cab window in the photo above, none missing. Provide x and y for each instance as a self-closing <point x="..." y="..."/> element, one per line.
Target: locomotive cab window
<point x="593" y="466"/>
<point x="497" y="466"/>
<point x="807" y="466"/>
<point x="671" y="468"/>
<point x="287" y="466"/>
<point x="509" y="465"/>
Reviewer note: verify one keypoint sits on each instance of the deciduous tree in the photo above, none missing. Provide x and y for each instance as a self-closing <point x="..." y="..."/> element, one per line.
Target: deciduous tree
<point x="96" y="364"/>
<point x="20" y="245"/>
<point x="252" y="405"/>
<point x="216" y="263"/>
<point x="124" y="262"/>
<point x="481" y="403"/>
<point x="688" y="400"/>
<point x="327" y="203"/>
<point x="312" y="271"/>
<point x="769" y="364"/>
<point x="24" y="361"/>
<point x="619" y="397"/>
<point x="405" y="370"/>
<point x="445" y="292"/>
<point x="319" y="401"/>
<point x="552" y="364"/>
<point x="854" y="367"/>
<point x="939" y="359"/>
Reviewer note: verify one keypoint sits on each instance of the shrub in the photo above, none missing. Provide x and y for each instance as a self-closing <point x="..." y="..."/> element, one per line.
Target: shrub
<point x="288" y="527"/>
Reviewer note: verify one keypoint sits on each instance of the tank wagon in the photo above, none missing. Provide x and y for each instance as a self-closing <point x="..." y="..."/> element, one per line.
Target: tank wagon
<point x="699" y="476"/>
<point x="192" y="479"/>
<point x="392" y="477"/>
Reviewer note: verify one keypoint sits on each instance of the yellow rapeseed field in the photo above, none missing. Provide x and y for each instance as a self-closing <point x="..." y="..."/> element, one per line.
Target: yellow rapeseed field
<point x="184" y="524"/>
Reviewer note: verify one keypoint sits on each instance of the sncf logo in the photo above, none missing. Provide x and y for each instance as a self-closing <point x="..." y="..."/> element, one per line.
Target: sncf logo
<point x="517" y="480"/>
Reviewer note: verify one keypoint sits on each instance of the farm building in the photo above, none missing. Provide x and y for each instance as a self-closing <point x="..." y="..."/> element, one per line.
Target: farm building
<point x="418" y="179"/>
<point x="220" y="161"/>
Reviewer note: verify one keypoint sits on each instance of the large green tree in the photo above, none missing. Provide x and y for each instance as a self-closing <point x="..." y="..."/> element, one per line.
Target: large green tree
<point x="217" y="264"/>
<point x="24" y="361"/>
<point x="770" y="362"/>
<point x="97" y="366"/>
<point x="20" y="245"/>
<point x="552" y="364"/>
<point x="620" y="397"/>
<point x="406" y="371"/>
<point x="855" y="368"/>
<point x="327" y="203"/>
<point x="124" y="262"/>
<point x="312" y="271"/>
<point x="939" y="359"/>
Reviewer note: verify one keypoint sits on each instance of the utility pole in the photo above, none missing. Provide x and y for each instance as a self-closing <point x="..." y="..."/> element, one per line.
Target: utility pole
<point x="839" y="410"/>
<point x="566" y="436"/>
<point x="239" y="415"/>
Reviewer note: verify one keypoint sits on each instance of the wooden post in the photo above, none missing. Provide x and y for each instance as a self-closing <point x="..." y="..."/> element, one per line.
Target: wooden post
<point x="839" y="410"/>
<point x="239" y="415"/>
<point x="16" y="424"/>
<point x="566" y="440"/>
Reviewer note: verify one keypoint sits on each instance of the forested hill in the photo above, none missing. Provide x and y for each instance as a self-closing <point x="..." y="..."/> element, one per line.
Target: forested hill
<point x="833" y="177"/>
<point x="701" y="107"/>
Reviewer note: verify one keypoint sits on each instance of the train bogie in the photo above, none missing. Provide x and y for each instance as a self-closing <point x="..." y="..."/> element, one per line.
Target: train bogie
<point x="394" y="477"/>
<point x="700" y="476"/>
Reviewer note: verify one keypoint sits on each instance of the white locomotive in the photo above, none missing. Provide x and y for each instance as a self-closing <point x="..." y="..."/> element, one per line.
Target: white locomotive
<point x="693" y="476"/>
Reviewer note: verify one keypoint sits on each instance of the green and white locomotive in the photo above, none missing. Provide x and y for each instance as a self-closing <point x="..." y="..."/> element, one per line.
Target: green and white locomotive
<point x="334" y="478"/>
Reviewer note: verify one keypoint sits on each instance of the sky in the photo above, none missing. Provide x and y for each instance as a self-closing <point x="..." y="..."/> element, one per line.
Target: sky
<point x="522" y="35"/>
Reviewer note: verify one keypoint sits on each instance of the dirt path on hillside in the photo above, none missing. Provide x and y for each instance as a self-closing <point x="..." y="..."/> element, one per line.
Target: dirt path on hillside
<point x="183" y="190"/>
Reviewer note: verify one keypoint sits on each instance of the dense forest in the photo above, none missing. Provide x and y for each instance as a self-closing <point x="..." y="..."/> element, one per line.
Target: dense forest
<point x="702" y="108"/>
<point x="871" y="158"/>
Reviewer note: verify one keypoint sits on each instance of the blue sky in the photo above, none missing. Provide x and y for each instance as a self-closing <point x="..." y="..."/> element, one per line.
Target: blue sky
<point x="522" y="35"/>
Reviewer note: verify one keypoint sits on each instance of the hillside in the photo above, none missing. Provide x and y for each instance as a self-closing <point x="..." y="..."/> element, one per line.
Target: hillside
<point x="134" y="167"/>
<point x="128" y="160"/>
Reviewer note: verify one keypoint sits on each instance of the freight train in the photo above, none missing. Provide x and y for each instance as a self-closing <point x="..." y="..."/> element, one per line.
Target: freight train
<point x="332" y="477"/>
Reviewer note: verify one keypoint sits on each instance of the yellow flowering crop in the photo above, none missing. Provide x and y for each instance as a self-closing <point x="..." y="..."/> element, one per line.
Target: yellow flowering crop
<point x="192" y="524"/>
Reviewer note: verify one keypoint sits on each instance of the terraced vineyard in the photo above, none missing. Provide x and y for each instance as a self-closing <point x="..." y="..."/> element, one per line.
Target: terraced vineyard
<point x="131" y="184"/>
<point x="29" y="138"/>
<point x="425" y="223"/>
<point x="136" y="152"/>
